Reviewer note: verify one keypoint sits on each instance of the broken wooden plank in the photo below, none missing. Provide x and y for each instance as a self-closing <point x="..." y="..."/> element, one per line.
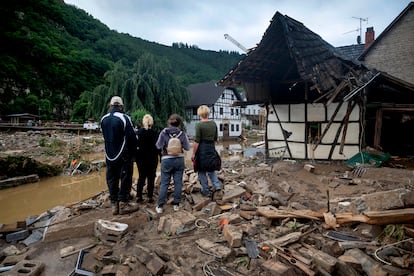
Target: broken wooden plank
<point x="324" y="260"/>
<point x="274" y="213"/>
<point x="378" y="217"/>
<point x="286" y="239"/>
<point x="292" y="260"/>
<point x="278" y="268"/>
<point x="370" y="217"/>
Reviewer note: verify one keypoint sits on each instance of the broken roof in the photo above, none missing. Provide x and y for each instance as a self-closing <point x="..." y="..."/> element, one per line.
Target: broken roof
<point x="290" y="54"/>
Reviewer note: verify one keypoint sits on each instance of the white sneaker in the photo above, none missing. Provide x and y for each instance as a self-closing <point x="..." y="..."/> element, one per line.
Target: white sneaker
<point x="158" y="209"/>
<point x="176" y="208"/>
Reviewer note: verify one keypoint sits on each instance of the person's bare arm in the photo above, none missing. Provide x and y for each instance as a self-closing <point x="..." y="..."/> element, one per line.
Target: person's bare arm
<point x="195" y="148"/>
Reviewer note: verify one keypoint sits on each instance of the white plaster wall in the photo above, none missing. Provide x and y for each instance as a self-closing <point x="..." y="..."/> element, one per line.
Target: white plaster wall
<point x="297" y="129"/>
<point x="297" y="112"/>
<point x="322" y="152"/>
<point x="352" y="133"/>
<point x="282" y="112"/>
<point x="316" y="112"/>
<point x="342" y="111"/>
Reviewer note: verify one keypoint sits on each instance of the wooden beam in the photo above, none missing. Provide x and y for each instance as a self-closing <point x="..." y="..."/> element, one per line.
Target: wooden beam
<point x="281" y="128"/>
<point x="328" y="126"/>
<point x="346" y="122"/>
<point x="378" y="128"/>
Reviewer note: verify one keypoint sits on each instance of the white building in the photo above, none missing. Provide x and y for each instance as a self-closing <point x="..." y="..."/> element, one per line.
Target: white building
<point x="220" y="100"/>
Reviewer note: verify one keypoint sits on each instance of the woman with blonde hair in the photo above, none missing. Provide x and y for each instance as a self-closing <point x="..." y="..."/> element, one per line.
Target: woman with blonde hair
<point x="146" y="158"/>
<point x="205" y="155"/>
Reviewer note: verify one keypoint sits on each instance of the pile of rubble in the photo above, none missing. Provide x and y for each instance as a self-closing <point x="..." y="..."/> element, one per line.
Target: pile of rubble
<point x="285" y="218"/>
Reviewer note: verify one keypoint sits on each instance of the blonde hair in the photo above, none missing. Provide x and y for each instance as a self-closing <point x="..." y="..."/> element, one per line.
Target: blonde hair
<point x="147" y="121"/>
<point x="203" y="111"/>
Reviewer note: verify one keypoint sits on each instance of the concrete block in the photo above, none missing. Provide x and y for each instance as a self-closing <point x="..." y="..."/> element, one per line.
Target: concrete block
<point x="233" y="235"/>
<point x="109" y="270"/>
<point x="248" y="215"/>
<point x="13" y="259"/>
<point x="26" y="267"/>
<point x="231" y="192"/>
<point x="143" y="254"/>
<point x="156" y="266"/>
<point x="177" y="223"/>
<point x="215" y="249"/>
<point x="278" y="268"/>
<point x="235" y="219"/>
<point x="384" y="200"/>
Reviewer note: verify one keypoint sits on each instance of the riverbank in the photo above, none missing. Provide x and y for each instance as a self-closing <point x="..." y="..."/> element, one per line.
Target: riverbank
<point x="45" y="153"/>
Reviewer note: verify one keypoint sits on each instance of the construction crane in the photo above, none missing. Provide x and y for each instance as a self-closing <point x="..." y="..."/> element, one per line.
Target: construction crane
<point x="228" y="37"/>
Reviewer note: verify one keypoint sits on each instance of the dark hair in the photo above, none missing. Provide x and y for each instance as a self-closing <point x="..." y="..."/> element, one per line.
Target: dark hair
<point x="174" y="120"/>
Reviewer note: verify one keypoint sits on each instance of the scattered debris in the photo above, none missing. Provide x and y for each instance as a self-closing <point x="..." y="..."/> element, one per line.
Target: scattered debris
<point x="252" y="227"/>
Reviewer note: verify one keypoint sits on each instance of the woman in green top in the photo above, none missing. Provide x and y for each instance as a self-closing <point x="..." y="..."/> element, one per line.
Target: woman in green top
<point x="204" y="152"/>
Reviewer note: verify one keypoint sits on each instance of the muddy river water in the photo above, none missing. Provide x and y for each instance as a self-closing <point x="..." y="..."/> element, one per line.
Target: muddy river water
<point x="18" y="203"/>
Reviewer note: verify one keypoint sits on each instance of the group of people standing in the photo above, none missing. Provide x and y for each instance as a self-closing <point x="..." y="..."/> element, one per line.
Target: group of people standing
<point x="147" y="147"/>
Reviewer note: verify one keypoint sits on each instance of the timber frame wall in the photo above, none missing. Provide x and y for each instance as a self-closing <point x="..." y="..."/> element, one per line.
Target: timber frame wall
<point x="314" y="131"/>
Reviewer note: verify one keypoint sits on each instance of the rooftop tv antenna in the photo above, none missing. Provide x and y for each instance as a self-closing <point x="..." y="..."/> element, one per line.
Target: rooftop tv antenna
<point x="235" y="42"/>
<point x="360" y="23"/>
<point x="360" y="27"/>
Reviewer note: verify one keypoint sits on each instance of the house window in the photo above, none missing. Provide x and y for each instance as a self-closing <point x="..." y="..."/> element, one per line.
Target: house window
<point x="232" y="96"/>
<point x="232" y="127"/>
<point x="221" y="111"/>
<point x="314" y="131"/>
<point x="194" y="111"/>
<point x="237" y="111"/>
<point x="237" y="127"/>
<point x="221" y="127"/>
<point x="222" y="96"/>
<point x="232" y="111"/>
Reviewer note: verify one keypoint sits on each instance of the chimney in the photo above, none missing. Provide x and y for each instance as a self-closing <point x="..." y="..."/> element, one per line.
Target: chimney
<point x="369" y="36"/>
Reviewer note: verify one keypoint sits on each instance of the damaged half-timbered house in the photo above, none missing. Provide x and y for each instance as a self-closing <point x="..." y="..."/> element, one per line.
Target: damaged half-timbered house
<point x="316" y="98"/>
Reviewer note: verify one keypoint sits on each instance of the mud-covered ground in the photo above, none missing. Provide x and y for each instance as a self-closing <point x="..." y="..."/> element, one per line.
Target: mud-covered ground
<point x="299" y="188"/>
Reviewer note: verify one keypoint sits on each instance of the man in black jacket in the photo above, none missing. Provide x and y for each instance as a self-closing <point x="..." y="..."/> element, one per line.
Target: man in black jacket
<point x="120" y="144"/>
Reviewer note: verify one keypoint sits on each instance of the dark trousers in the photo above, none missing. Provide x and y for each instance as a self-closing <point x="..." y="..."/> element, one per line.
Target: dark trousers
<point x="119" y="178"/>
<point x="147" y="171"/>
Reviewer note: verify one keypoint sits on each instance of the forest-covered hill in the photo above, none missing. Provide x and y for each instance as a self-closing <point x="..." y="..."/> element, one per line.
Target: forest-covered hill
<point x="58" y="58"/>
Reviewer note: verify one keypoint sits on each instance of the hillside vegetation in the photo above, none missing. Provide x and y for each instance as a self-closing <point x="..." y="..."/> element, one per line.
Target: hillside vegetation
<point x="60" y="62"/>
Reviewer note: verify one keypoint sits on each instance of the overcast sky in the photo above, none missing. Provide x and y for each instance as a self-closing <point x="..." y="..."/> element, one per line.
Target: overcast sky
<point x="204" y="23"/>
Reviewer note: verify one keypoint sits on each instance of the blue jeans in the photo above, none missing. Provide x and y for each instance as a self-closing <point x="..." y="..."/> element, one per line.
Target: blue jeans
<point x="202" y="177"/>
<point x="171" y="167"/>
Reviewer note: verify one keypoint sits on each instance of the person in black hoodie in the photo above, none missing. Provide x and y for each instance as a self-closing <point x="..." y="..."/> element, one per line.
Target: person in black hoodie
<point x="146" y="158"/>
<point x="171" y="165"/>
<point x="120" y="144"/>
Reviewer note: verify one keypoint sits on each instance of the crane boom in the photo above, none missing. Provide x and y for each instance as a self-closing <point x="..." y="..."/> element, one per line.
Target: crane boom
<point x="235" y="42"/>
